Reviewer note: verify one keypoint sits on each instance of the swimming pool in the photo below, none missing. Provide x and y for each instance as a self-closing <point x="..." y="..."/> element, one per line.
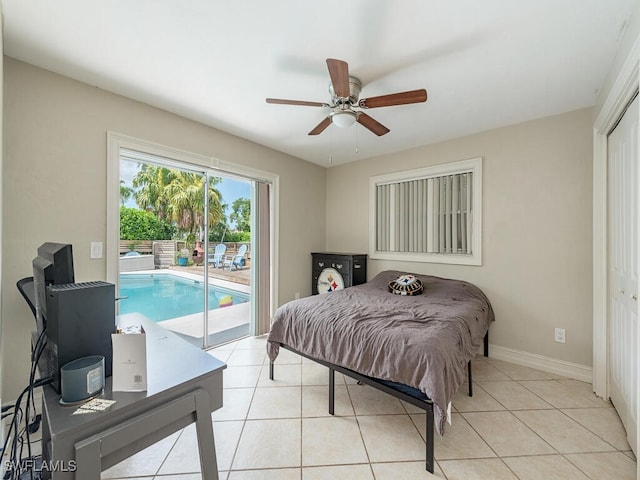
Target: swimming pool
<point x="161" y="296"/>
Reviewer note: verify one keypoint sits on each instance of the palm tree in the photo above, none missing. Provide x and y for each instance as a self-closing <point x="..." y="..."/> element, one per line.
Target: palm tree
<point x="186" y="203"/>
<point x="177" y="196"/>
<point x="151" y="182"/>
<point x="125" y="192"/>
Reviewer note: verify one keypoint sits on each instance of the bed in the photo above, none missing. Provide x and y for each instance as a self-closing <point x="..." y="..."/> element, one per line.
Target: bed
<point x="415" y="347"/>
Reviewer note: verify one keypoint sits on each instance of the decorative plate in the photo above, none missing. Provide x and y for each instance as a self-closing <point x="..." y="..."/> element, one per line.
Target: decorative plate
<point x="330" y="280"/>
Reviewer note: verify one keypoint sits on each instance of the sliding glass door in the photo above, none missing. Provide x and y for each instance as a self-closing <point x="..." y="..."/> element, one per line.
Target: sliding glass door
<point x="185" y="247"/>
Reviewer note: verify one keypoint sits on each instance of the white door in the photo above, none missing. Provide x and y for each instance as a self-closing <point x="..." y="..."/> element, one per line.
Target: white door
<point x="623" y="269"/>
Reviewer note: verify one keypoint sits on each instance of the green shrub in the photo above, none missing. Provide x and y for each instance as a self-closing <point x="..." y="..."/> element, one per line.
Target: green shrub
<point x="140" y="225"/>
<point x="237" y="237"/>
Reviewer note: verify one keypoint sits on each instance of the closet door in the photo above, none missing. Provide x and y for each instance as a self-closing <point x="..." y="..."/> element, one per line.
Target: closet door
<point x="623" y="269"/>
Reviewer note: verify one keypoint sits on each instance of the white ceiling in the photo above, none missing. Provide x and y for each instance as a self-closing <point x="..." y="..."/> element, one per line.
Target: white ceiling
<point x="484" y="64"/>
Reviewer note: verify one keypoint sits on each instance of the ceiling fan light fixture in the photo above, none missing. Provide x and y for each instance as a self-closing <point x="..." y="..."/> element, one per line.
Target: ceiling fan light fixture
<point x="345" y="91"/>
<point x="344" y="118"/>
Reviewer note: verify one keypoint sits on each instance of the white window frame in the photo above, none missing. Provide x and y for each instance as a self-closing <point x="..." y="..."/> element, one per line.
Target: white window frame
<point x="473" y="165"/>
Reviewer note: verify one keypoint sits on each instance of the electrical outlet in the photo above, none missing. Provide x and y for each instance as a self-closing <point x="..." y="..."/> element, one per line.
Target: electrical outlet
<point x="560" y="335"/>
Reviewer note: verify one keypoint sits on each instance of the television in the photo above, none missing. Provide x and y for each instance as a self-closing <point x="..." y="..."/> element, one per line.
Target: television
<point x="52" y="266"/>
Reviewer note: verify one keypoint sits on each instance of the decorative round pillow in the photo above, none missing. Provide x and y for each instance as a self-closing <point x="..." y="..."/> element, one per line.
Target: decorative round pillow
<point x="406" y="285"/>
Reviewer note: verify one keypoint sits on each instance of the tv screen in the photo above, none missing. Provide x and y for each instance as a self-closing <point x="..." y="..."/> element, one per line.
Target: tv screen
<point x="52" y="266"/>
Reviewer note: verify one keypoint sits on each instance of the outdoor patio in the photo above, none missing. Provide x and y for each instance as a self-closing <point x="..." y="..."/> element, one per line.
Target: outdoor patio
<point x="242" y="276"/>
<point x="162" y="254"/>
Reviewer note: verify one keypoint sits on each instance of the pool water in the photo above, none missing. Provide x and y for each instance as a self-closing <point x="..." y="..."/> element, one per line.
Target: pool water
<point x="164" y="296"/>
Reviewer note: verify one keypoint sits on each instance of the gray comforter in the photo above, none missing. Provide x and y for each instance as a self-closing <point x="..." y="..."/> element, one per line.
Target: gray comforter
<point x="423" y="341"/>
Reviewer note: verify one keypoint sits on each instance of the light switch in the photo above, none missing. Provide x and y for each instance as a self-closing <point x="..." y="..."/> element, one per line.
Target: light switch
<point x="96" y="249"/>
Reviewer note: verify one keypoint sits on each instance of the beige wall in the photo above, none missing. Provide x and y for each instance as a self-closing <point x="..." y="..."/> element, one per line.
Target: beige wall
<point x="536" y="227"/>
<point x="1" y="202"/>
<point x="55" y="187"/>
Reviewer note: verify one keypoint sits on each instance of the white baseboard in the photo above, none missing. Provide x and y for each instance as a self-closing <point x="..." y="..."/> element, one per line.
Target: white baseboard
<point x="540" y="362"/>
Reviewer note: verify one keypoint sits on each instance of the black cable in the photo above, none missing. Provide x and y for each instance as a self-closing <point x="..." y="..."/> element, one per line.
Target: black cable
<point x="19" y="453"/>
<point x="39" y="347"/>
<point x="17" y="418"/>
<point x="26" y="430"/>
<point x="16" y="421"/>
<point x="15" y="457"/>
<point x="11" y="426"/>
<point x="17" y="445"/>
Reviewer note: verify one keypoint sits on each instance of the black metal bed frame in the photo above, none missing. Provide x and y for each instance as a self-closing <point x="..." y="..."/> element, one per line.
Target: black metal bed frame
<point x="417" y="399"/>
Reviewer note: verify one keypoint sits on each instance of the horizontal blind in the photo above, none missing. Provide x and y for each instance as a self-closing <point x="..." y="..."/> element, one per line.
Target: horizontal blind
<point x="425" y="215"/>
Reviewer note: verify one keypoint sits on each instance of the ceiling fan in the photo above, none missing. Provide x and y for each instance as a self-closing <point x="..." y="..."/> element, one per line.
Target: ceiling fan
<point x="344" y="91"/>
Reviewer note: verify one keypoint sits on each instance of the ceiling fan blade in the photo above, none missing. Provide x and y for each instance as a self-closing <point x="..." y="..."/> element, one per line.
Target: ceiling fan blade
<point x="296" y="102"/>
<point x="339" y="72"/>
<point x="376" y="127"/>
<point x="403" y="98"/>
<point x="321" y="126"/>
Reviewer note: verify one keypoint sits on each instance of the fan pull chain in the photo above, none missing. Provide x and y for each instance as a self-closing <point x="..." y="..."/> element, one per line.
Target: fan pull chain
<point x="357" y="147"/>
<point x="331" y="144"/>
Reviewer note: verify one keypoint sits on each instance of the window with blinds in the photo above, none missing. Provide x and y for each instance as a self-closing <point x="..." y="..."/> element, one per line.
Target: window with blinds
<point x="432" y="214"/>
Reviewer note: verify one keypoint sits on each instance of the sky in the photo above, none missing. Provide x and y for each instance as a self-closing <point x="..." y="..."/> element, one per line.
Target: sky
<point x="230" y="188"/>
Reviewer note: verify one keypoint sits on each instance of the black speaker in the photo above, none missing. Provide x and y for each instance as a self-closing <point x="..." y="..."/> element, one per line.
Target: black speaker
<point x="80" y="320"/>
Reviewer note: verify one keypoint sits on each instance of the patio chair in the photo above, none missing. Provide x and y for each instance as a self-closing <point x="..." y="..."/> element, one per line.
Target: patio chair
<point x="238" y="259"/>
<point x="217" y="257"/>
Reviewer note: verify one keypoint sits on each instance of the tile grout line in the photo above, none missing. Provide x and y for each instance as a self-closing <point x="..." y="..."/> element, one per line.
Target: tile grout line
<point x="301" y="424"/>
<point x="515" y="416"/>
<point x="559" y="409"/>
<point x="364" y="444"/>
<point x="405" y="411"/>
<point x="508" y="410"/>
<point x="553" y="408"/>
<point x="590" y="431"/>
<point x="244" y="423"/>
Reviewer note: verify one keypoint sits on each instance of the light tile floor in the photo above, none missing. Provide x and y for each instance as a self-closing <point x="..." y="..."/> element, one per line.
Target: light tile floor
<point x="520" y="424"/>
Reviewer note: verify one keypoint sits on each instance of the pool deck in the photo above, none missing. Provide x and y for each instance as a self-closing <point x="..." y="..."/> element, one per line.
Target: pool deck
<point x="242" y="277"/>
<point x="221" y="320"/>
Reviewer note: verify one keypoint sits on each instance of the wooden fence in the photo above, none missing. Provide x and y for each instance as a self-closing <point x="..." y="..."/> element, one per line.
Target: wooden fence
<point x="165" y="251"/>
<point x="140" y="246"/>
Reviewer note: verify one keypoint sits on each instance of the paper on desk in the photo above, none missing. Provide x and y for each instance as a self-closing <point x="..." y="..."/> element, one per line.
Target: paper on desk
<point x="129" y="360"/>
<point x="94" y="406"/>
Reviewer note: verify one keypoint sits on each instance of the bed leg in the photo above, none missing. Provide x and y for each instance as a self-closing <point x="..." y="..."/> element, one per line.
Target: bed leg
<point x="429" y="434"/>
<point x="486" y="344"/>
<point x="470" y="379"/>
<point x="332" y="390"/>
<point x="270" y="370"/>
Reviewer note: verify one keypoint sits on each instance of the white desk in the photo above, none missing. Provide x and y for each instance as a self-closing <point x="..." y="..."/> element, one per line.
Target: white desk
<point x="184" y="386"/>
